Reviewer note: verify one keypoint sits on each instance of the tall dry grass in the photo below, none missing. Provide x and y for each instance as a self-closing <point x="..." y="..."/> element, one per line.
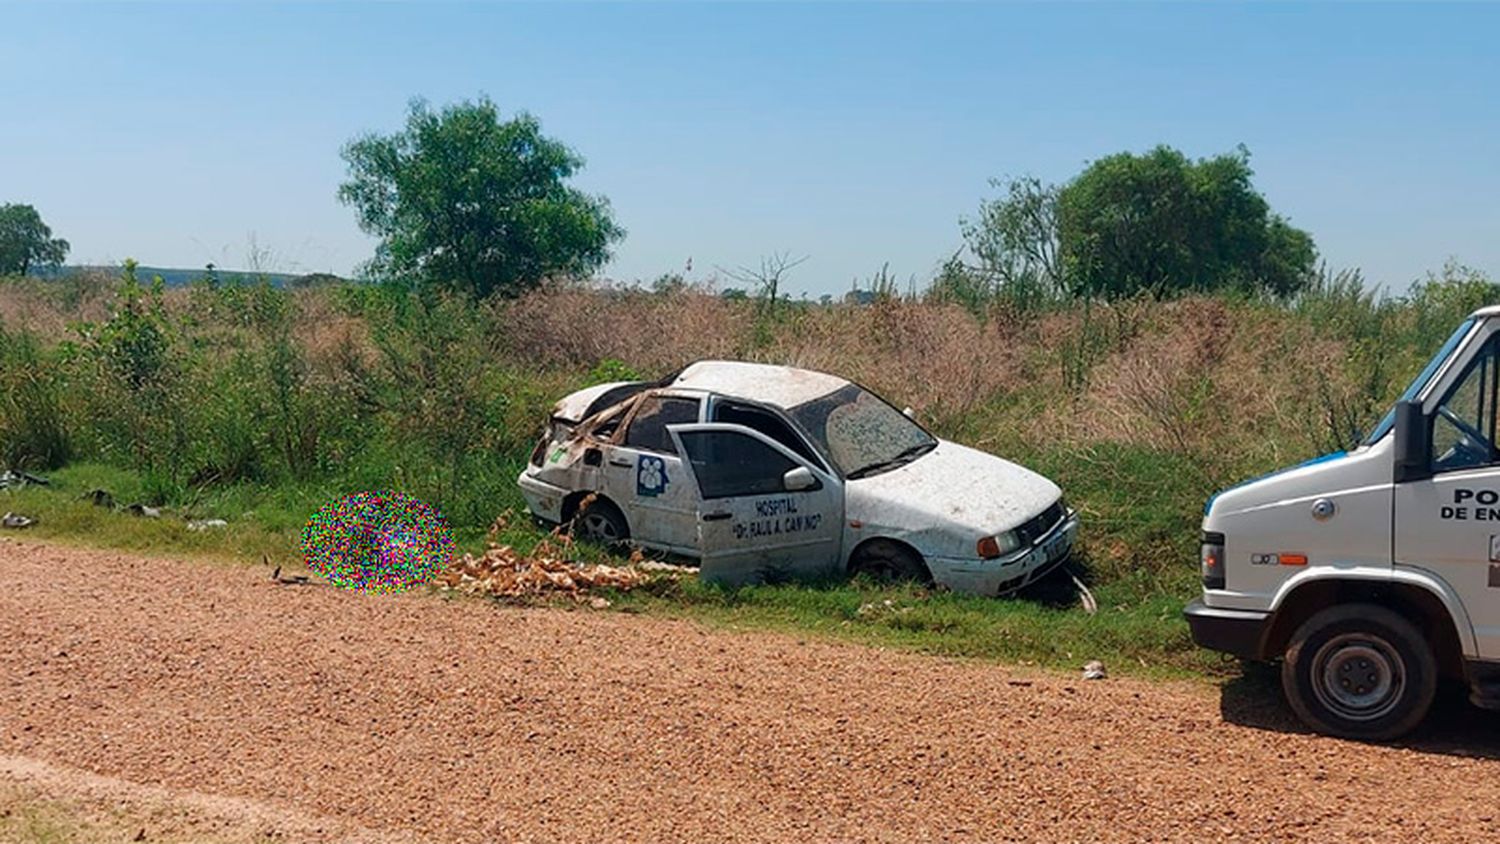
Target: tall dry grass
<point x="361" y="385"/>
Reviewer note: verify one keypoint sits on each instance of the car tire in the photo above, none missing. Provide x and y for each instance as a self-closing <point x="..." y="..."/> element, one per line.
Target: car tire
<point x="888" y="561"/>
<point x="601" y="522"/>
<point x="1359" y="671"/>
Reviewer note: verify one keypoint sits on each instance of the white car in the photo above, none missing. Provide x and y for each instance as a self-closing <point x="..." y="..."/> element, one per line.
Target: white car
<point x="766" y="473"/>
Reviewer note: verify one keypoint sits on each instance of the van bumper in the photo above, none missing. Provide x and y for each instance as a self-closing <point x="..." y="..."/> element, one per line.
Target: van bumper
<point x="1237" y="632"/>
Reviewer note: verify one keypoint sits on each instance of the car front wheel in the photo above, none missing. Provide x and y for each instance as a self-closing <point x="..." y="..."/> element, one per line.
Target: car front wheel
<point x="888" y="561"/>
<point x="1359" y="671"/>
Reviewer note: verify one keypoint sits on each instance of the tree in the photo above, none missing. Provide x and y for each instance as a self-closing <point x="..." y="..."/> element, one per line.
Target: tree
<point x="463" y="199"/>
<point x="1015" y="238"/>
<point x="1161" y="223"/>
<point x="766" y="280"/>
<point x="26" y="242"/>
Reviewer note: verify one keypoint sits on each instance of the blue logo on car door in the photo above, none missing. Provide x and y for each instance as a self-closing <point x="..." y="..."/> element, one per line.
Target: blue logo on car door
<point x="650" y="476"/>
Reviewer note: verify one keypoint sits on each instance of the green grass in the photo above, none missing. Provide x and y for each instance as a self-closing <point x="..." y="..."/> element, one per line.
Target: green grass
<point x="1131" y="634"/>
<point x="1137" y="630"/>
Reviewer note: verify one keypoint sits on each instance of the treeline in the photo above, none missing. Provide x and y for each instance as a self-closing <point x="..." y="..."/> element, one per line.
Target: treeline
<point x="1139" y="407"/>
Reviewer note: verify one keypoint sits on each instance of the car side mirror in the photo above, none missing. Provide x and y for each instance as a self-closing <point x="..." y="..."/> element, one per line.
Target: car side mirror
<point x="799" y="478"/>
<point x="908" y="413"/>
<point x="1413" y="460"/>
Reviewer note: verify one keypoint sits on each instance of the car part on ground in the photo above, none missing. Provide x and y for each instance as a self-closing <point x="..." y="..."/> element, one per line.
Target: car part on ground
<point x="16" y="479"/>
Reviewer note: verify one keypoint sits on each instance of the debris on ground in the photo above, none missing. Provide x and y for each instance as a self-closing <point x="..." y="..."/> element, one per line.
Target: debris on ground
<point x="504" y="572"/>
<point x="658" y="567"/>
<point x="874" y="609"/>
<point x="145" y="511"/>
<point x="16" y="479"/>
<point x="200" y="525"/>
<point x="100" y="498"/>
<point x="286" y="580"/>
<point x="1094" y="670"/>
<point x="16" y="521"/>
<point x="1090" y="605"/>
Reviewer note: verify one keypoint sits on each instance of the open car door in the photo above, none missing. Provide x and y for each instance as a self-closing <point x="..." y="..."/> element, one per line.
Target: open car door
<point x="765" y="514"/>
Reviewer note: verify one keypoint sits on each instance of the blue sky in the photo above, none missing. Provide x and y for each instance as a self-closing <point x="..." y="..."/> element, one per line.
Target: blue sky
<point x="855" y="134"/>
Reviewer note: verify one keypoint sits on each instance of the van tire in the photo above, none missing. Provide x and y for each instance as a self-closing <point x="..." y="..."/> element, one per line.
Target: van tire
<point x="889" y="561"/>
<point x="1359" y="671"/>
<point x="600" y="521"/>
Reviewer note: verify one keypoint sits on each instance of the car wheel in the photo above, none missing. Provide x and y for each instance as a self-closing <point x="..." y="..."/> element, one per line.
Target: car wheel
<point x="889" y="562"/>
<point x="1359" y="671"/>
<point x="601" y="522"/>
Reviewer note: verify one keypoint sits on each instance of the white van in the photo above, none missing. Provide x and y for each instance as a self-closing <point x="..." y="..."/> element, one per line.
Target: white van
<point x="1374" y="572"/>
<point x="770" y="472"/>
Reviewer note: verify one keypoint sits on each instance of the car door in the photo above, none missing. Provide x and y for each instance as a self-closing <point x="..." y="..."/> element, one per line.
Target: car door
<point x="644" y="474"/>
<point x="765" y="514"/>
<point x="1449" y="523"/>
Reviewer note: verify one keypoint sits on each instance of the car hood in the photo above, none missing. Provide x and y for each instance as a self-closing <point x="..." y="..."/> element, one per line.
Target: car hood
<point x="952" y="487"/>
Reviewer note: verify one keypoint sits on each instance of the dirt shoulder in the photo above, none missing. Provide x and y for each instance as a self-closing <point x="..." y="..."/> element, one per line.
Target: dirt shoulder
<point x="307" y="713"/>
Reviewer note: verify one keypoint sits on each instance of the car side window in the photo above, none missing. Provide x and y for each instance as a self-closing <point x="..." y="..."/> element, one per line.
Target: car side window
<point x="729" y="463"/>
<point x="773" y="426"/>
<point x="648" y="429"/>
<point x="1463" y="429"/>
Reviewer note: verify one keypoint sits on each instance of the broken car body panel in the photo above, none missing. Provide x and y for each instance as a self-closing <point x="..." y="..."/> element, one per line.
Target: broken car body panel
<point x="766" y="473"/>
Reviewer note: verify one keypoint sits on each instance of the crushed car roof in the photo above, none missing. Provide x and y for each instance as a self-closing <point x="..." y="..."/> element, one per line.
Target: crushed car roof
<point x="783" y="386"/>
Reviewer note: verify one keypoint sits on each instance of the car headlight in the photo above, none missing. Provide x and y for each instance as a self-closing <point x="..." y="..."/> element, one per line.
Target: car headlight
<point x="998" y="545"/>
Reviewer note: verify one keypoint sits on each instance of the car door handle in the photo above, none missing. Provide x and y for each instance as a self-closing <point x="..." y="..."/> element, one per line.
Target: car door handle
<point x="716" y="517"/>
<point x="623" y="464"/>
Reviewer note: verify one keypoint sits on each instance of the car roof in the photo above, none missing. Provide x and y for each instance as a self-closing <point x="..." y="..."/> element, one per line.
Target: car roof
<point x="783" y="386"/>
<point x="1491" y="310"/>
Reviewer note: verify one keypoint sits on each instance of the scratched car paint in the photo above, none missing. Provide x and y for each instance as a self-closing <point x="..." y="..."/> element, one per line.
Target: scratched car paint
<point x="767" y="473"/>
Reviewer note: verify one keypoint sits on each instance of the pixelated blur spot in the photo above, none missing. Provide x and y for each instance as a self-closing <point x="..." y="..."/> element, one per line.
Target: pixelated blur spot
<point x="377" y="542"/>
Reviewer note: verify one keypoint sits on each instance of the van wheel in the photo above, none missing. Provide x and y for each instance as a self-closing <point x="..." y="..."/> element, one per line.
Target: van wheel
<point x="1359" y="671"/>
<point x="601" y="522"/>
<point x="884" y="560"/>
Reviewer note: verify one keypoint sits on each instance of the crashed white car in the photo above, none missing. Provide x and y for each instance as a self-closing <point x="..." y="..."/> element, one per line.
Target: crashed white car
<point x="766" y="473"/>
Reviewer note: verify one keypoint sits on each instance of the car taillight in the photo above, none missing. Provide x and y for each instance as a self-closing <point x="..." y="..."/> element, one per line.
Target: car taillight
<point x="1212" y="560"/>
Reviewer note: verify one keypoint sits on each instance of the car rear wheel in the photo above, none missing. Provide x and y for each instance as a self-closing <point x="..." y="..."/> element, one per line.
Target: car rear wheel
<point x="1359" y="671"/>
<point x="888" y="561"/>
<point x="601" y="522"/>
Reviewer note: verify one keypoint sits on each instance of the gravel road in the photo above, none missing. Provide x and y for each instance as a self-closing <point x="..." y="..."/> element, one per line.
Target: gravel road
<point x="316" y="714"/>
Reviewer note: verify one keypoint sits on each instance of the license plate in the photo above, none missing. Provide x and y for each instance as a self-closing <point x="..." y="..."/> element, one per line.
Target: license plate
<point x="1055" y="547"/>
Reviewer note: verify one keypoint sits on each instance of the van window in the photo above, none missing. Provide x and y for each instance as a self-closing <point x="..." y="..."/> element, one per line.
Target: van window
<point x="648" y="430"/>
<point x="1463" y="429"/>
<point x="773" y="426"/>
<point x="729" y="463"/>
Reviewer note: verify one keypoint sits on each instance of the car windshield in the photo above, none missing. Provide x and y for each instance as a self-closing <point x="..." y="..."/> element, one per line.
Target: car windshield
<point x="861" y="433"/>
<point x="1420" y="382"/>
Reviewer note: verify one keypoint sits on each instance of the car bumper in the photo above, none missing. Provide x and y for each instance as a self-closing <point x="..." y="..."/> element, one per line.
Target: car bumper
<point x="1008" y="574"/>
<point x="543" y="499"/>
<point x="1237" y="632"/>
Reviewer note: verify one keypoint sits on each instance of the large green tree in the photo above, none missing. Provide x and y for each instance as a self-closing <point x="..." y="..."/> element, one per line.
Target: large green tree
<point x="464" y="199"/>
<point x="26" y="242"/>
<point x="1162" y="223"/>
